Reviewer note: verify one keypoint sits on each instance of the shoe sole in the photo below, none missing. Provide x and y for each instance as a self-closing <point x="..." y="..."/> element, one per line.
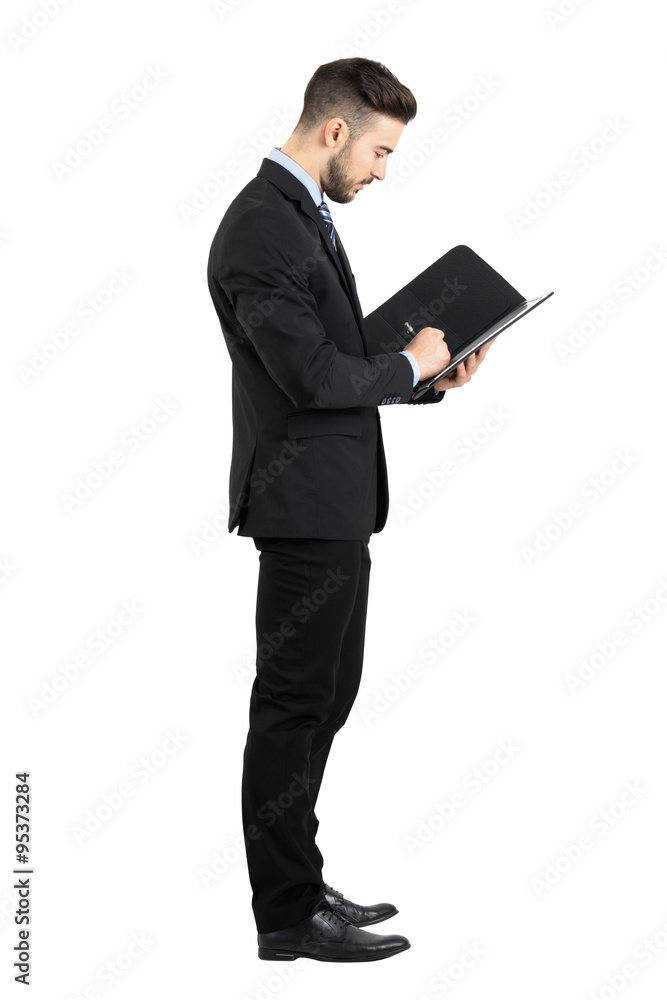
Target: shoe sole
<point x="276" y="955"/>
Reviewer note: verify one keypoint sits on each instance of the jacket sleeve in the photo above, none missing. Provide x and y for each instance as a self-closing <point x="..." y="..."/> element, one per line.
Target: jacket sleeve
<point x="276" y="310"/>
<point x="430" y="396"/>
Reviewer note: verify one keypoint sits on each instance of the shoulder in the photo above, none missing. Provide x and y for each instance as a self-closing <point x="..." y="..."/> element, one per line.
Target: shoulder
<point x="261" y="226"/>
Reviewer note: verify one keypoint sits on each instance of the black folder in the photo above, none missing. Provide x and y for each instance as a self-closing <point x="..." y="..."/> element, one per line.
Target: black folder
<point x="460" y="294"/>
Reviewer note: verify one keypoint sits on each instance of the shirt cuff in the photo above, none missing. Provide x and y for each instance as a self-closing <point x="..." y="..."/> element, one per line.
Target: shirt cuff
<point x="415" y="367"/>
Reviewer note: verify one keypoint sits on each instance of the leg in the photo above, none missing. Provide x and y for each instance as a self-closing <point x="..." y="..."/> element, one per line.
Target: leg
<point x="348" y="679"/>
<point x="305" y="601"/>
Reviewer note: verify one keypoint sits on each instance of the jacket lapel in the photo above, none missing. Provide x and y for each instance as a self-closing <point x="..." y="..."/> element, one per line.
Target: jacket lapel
<point x="294" y="189"/>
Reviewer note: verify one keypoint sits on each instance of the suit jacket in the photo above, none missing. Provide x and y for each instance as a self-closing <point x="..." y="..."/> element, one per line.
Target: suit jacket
<point x="307" y="454"/>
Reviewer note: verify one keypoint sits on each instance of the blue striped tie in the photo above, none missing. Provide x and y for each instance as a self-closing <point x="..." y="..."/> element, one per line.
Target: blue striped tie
<point x="328" y="221"/>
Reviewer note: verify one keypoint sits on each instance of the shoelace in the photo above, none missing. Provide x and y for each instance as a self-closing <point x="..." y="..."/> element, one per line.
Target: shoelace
<point x="333" y="917"/>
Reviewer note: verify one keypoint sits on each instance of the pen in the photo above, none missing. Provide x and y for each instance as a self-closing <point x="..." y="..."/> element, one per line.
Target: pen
<point x="407" y="326"/>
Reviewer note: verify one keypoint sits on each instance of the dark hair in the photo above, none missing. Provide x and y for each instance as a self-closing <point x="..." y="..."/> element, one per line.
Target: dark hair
<point x="357" y="89"/>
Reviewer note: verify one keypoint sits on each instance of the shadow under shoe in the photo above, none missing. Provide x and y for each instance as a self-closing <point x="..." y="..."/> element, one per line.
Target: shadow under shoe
<point x="327" y="937"/>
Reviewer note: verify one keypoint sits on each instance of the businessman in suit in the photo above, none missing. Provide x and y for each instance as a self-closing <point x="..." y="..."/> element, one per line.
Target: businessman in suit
<point x="308" y="482"/>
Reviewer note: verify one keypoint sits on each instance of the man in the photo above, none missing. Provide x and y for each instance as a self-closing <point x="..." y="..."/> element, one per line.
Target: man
<point x="308" y="483"/>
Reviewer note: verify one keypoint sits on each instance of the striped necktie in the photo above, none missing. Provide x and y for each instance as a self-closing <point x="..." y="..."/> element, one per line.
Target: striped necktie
<point x="328" y="221"/>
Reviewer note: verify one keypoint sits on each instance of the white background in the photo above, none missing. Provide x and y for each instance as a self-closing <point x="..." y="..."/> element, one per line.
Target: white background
<point x="543" y="591"/>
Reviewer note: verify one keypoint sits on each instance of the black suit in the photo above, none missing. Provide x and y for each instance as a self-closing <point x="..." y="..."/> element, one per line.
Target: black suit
<point x="309" y="482"/>
<point x="307" y="455"/>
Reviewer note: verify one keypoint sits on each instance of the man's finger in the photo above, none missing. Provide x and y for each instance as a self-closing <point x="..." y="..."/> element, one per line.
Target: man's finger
<point x="481" y="353"/>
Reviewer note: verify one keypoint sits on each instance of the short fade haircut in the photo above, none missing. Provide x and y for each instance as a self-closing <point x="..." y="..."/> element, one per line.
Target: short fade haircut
<point x="357" y="90"/>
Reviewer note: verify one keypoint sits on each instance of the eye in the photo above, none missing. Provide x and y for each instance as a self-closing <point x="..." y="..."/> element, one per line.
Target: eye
<point x="379" y="155"/>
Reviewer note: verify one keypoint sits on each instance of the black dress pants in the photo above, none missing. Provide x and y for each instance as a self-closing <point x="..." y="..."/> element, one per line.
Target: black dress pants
<point x="312" y="596"/>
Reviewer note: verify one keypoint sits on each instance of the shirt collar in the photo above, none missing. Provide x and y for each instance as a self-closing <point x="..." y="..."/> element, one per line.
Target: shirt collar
<point x="298" y="171"/>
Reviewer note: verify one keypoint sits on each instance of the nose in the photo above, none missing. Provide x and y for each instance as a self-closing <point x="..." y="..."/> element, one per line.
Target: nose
<point x="379" y="169"/>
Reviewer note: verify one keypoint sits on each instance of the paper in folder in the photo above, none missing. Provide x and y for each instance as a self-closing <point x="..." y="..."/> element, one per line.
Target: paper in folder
<point x="459" y="294"/>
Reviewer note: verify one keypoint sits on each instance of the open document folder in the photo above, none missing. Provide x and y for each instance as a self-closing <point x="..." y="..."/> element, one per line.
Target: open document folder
<point x="459" y="294"/>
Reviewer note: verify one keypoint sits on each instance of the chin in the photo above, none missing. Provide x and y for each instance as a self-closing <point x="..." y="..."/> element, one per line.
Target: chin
<point x="341" y="199"/>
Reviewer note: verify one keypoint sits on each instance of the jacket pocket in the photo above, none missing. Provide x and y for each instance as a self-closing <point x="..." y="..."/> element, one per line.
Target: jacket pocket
<point x="347" y="421"/>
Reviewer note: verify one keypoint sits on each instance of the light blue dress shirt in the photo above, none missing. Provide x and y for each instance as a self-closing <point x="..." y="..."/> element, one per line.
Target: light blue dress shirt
<point x="312" y="186"/>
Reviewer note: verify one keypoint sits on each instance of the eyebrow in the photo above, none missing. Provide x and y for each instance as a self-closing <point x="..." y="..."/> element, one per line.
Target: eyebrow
<point x="387" y="149"/>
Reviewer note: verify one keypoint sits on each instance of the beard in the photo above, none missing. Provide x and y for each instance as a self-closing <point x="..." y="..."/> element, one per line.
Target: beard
<point x="338" y="184"/>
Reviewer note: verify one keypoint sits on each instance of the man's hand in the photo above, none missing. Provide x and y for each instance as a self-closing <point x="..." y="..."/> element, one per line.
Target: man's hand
<point x="430" y="351"/>
<point x="465" y="371"/>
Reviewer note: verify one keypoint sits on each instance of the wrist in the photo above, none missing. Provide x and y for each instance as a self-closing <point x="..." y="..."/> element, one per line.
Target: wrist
<point x="415" y="365"/>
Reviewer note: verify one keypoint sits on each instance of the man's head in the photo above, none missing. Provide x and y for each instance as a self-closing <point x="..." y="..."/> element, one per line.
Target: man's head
<point x="354" y="111"/>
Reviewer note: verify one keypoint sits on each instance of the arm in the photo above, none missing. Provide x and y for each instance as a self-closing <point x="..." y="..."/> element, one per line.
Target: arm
<point x="429" y="397"/>
<point x="458" y="377"/>
<point x="275" y="309"/>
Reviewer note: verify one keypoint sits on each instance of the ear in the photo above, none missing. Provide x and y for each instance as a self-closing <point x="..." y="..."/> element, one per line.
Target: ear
<point x="335" y="132"/>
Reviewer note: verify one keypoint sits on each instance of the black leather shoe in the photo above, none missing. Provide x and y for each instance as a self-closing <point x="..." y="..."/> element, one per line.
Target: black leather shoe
<point x="354" y="913"/>
<point x="327" y="937"/>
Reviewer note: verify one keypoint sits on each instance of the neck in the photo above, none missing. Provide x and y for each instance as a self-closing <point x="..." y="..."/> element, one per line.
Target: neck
<point x="300" y="156"/>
